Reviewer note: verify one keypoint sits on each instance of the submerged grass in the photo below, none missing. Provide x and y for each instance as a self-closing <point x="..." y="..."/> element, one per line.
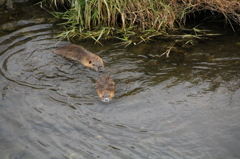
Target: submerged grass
<point x="134" y="21"/>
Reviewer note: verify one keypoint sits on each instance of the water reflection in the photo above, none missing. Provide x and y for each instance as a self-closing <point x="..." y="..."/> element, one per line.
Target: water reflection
<point x="184" y="106"/>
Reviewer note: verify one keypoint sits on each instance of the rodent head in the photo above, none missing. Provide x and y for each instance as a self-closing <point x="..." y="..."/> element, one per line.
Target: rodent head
<point x="106" y="96"/>
<point x="105" y="88"/>
<point x="95" y="63"/>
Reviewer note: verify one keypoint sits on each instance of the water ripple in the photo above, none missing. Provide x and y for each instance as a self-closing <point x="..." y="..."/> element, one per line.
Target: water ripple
<point x="186" y="107"/>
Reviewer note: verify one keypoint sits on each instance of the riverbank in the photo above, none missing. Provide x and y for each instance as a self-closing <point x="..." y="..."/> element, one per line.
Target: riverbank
<point x="134" y="21"/>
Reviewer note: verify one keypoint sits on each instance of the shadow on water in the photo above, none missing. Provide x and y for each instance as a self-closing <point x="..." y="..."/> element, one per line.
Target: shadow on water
<point x="184" y="106"/>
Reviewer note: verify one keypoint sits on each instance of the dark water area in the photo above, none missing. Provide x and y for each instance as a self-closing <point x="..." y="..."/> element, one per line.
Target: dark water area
<point x="184" y="106"/>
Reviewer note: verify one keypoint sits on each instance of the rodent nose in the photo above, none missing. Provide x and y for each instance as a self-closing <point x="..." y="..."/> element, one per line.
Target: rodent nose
<point x="106" y="100"/>
<point x="100" y="68"/>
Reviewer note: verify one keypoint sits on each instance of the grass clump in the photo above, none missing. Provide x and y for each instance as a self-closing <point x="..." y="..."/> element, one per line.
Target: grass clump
<point x="134" y="21"/>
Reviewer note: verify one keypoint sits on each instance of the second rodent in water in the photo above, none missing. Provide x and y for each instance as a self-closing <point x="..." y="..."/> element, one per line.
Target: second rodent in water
<point x="78" y="53"/>
<point x="105" y="88"/>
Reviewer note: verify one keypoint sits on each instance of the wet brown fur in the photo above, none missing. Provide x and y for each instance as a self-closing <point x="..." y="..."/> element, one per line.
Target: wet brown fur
<point x="105" y="87"/>
<point x="78" y="53"/>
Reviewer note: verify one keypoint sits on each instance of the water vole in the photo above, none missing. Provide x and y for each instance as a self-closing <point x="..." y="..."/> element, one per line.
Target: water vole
<point x="105" y="88"/>
<point x="78" y="53"/>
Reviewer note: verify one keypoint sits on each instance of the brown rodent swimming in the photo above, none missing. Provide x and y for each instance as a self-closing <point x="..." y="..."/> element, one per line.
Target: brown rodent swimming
<point x="78" y="53"/>
<point x="105" y="88"/>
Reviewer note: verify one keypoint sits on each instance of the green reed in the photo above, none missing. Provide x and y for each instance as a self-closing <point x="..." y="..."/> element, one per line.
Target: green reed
<point x="131" y="20"/>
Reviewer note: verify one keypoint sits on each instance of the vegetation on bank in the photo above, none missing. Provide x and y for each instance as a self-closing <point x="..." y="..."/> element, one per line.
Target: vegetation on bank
<point x="135" y="21"/>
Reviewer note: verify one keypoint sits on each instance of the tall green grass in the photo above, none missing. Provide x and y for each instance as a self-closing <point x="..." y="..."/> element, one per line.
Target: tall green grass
<point x="141" y="19"/>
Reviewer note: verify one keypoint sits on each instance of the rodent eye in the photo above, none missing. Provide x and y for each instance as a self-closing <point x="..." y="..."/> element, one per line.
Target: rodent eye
<point x="90" y="62"/>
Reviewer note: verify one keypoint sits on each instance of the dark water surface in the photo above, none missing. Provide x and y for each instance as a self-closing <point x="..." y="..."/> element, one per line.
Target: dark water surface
<point x="184" y="106"/>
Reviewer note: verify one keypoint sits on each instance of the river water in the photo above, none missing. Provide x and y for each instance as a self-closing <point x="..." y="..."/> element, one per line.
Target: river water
<point x="184" y="106"/>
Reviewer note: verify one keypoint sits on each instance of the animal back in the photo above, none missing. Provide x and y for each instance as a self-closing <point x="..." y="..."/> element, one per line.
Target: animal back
<point x="73" y="52"/>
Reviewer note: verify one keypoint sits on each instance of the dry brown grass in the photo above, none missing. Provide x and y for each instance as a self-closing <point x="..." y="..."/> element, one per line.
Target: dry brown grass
<point x="160" y="15"/>
<point x="229" y="8"/>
